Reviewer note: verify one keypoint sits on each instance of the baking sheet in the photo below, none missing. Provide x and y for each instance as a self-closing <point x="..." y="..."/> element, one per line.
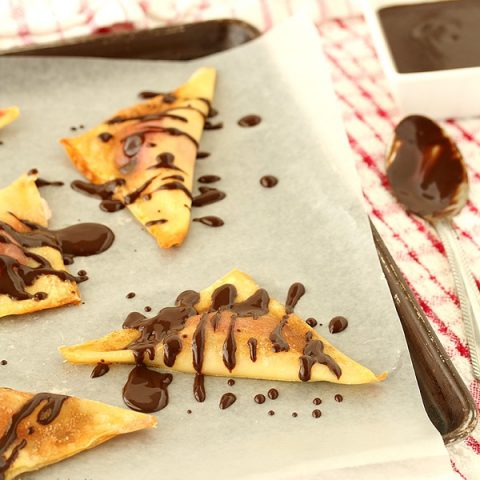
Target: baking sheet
<point x="310" y="228"/>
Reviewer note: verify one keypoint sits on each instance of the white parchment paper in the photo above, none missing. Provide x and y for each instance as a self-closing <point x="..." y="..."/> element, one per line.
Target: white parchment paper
<point x="310" y="228"/>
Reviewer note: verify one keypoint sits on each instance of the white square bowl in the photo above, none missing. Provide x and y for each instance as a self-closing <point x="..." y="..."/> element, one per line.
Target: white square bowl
<point x="438" y="94"/>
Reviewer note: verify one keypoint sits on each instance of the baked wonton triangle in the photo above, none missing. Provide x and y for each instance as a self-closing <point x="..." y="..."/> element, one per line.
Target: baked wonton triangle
<point x="150" y="149"/>
<point x="8" y="115"/>
<point x="23" y="200"/>
<point x="38" y="430"/>
<point x="269" y="364"/>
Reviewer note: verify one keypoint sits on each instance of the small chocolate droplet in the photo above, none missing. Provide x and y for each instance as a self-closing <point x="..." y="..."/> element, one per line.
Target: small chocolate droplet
<point x="40" y="296"/>
<point x="130" y="295"/>
<point x="294" y="414"/>
<point x="337" y="324"/>
<point x="249" y="121"/>
<point x="3" y="362"/>
<point x="231" y="382"/>
<point x="189" y="412"/>
<point x="311" y="322"/>
<point x="338" y="398"/>
<point x="316" y="413"/>
<point x="273" y="394"/>
<point x="271" y="413"/>
<point x="259" y="398"/>
<point x="148" y="308"/>
<point x="317" y="401"/>
<point x="82" y="273"/>
<point x="268" y="181"/>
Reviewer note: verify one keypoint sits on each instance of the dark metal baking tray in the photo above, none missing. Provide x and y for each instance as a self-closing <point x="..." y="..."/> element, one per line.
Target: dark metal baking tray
<point x="446" y="399"/>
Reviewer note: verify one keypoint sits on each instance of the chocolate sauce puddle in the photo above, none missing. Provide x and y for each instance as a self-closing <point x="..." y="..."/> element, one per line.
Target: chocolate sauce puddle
<point x="146" y="390"/>
<point x="249" y="121"/>
<point x="46" y="415"/>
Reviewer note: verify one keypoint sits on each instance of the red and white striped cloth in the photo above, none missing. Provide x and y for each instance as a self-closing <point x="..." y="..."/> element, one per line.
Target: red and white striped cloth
<point x="369" y="113"/>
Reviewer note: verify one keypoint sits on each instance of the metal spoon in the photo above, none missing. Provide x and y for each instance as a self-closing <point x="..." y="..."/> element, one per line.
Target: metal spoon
<point x="428" y="175"/>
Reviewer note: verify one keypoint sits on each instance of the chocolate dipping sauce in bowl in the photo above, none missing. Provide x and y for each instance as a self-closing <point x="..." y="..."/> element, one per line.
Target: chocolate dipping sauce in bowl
<point x="428" y="176"/>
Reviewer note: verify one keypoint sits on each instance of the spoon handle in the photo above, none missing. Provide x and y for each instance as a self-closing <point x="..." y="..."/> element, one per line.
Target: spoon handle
<point x="467" y="290"/>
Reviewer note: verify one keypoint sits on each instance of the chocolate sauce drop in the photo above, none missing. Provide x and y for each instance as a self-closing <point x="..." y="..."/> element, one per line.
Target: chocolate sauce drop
<point x="165" y="160"/>
<point x="317" y="401"/>
<point x="209" y="178"/>
<point x="295" y="293"/>
<point x="259" y="398"/>
<point x="40" y="296"/>
<point x="207" y="196"/>
<point x="198" y="343"/>
<point x="99" y="370"/>
<point x="148" y="308"/>
<point x="199" y="388"/>
<point x="210" y="221"/>
<point x="313" y="353"/>
<point x="316" y="413"/>
<point x="46" y="415"/>
<point x="146" y="390"/>
<point x="268" y="181"/>
<point x="201" y="155"/>
<point x="249" y="121"/>
<point x="3" y="362"/>
<point x="105" y="137"/>
<point x="294" y="414"/>
<point x="41" y="182"/>
<point x="82" y="273"/>
<point x="189" y="412"/>
<point x="338" y="398"/>
<point x="227" y="400"/>
<point x="130" y="295"/>
<point x="252" y="347"/>
<point x="337" y="324"/>
<point x="271" y="413"/>
<point x="172" y="346"/>
<point x="231" y="382"/>
<point x="311" y="322"/>
<point x="148" y="94"/>
<point x="273" y="394"/>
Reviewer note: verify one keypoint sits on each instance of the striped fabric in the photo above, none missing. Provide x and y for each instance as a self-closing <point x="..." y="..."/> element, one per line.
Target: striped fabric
<point x="369" y="113"/>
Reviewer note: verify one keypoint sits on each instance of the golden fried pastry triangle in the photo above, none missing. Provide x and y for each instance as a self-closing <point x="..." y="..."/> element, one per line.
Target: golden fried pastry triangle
<point x="8" y="115"/>
<point x="147" y="154"/>
<point x="38" y="430"/>
<point x="22" y="200"/>
<point x="254" y="337"/>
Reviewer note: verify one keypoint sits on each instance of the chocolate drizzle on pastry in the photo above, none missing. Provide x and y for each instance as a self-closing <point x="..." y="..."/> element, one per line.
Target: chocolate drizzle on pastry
<point x="77" y="240"/>
<point x="104" y="191"/>
<point x="47" y="414"/>
<point x="166" y="328"/>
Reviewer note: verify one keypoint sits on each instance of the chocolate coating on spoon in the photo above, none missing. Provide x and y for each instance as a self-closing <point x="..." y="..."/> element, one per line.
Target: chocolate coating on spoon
<point x="426" y="169"/>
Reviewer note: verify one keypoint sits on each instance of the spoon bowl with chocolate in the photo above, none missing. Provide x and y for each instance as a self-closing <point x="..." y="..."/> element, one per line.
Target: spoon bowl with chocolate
<point x="428" y="176"/>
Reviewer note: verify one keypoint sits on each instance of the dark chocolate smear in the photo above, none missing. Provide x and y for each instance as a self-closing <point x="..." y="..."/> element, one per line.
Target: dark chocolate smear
<point x="175" y="186"/>
<point x="146" y="390"/>
<point x="180" y="178"/>
<point x="337" y="324"/>
<point x="252" y="347"/>
<point x="213" y="126"/>
<point x="165" y="160"/>
<point x="223" y="296"/>
<point x="159" y="221"/>
<point x="104" y="191"/>
<point x="254" y="306"/>
<point x="198" y="343"/>
<point x="132" y="197"/>
<point x="249" y="121"/>
<point x="278" y="342"/>
<point x="227" y="400"/>
<point x="100" y="370"/>
<point x="313" y="353"/>
<point x="201" y="155"/>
